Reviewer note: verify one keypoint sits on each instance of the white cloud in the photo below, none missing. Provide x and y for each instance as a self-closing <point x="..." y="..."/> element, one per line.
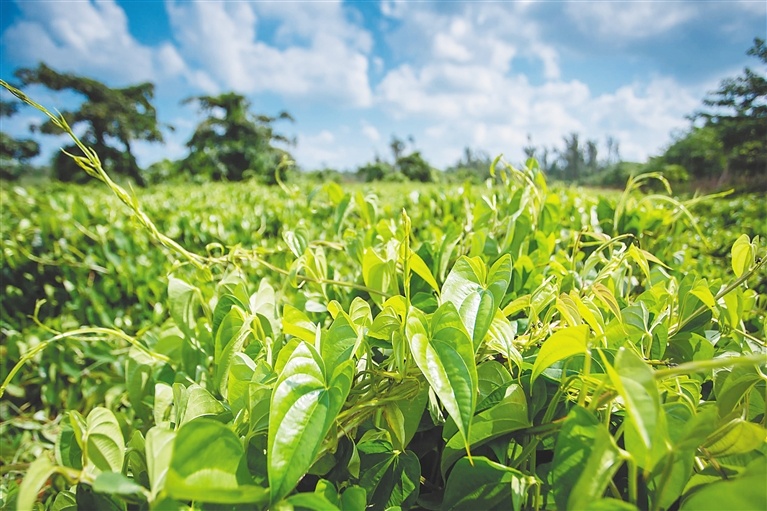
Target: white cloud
<point x="628" y="21"/>
<point x="370" y="132"/>
<point x="87" y="38"/>
<point x="327" y="64"/>
<point x="342" y="149"/>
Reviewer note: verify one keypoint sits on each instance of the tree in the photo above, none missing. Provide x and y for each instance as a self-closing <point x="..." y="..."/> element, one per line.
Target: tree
<point x="14" y="153"/>
<point x="739" y="115"/>
<point x="699" y="151"/>
<point x="110" y="115"/>
<point x="374" y="171"/>
<point x="473" y="166"/>
<point x="231" y="143"/>
<point x="573" y="159"/>
<point x="414" y="167"/>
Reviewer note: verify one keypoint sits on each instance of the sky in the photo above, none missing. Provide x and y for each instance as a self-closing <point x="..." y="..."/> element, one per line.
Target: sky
<point x="446" y="75"/>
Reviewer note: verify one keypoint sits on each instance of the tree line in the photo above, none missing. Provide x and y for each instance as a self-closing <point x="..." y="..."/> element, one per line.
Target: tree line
<point x="726" y="142"/>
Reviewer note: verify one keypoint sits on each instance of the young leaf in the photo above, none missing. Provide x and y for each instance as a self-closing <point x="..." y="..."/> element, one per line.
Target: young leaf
<point x="743" y="253"/>
<point x="303" y="408"/>
<point x="419" y="268"/>
<point x="184" y="299"/>
<point x="585" y="460"/>
<point x="561" y="345"/>
<point x="159" y="449"/>
<point x="483" y="484"/>
<point x="444" y="353"/>
<point x="743" y="492"/>
<point x="477" y="313"/>
<point x="509" y="415"/>
<point x="635" y="383"/>
<point x="34" y="480"/>
<point x="206" y="466"/>
<point x="104" y="442"/>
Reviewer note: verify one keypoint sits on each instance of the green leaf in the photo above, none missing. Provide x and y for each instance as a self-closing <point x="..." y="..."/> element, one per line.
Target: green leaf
<point x="65" y="501"/>
<point x="444" y="353"/>
<point x="466" y="276"/>
<point x="477" y="313"/>
<point x="509" y="415"/>
<point x="561" y="345"/>
<point x="308" y="502"/>
<point x="159" y="450"/>
<point x="743" y="254"/>
<point x="585" y="460"/>
<point x="738" y="382"/>
<point x="634" y="381"/>
<point x="735" y="437"/>
<point x="379" y="274"/>
<point x="184" y="299"/>
<point x="483" y="484"/>
<point x="745" y="492"/>
<point x="338" y="344"/>
<point x="499" y="277"/>
<point x="298" y="324"/>
<point x="37" y="475"/>
<point x="389" y="478"/>
<point x="208" y="466"/>
<point x="423" y="271"/>
<point x="303" y="408"/>
<point x="68" y="451"/>
<point x="200" y="403"/>
<point x="412" y="410"/>
<point x="235" y="332"/>
<point x="225" y="304"/>
<point x="501" y="335"/>
<point x="354" y="498"/>
<point x="104" y="442"/>
<point x="114" y="483"/>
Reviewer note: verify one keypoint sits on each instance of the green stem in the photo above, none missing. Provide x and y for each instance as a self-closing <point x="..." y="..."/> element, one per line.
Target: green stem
<point x="703" y="308"/>
<point x="706" y="365"/>
<point x="76" y="334"/>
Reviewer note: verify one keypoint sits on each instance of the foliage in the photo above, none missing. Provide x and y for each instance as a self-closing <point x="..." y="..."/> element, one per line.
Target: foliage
<point x="374" y="171"/>
<point x="124" y="115"/>
<point x="233" y="144"/>
<point x="513" y="347"/>
<point x="699" y="152"/>
<point x="14" y="153"/>
<point x="739" y="115"/>
<point x="414" y="167"/>
<point x="473" y="166"/>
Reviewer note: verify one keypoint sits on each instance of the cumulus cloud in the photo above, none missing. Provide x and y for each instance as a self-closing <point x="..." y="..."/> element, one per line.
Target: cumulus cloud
<point x="469" y="92"/>
<point x="221" y="37"/>
<point x="88" y="38"/>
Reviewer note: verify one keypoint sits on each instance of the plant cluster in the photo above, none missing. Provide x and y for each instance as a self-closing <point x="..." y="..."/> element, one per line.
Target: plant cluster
<point x="521" y="348"/>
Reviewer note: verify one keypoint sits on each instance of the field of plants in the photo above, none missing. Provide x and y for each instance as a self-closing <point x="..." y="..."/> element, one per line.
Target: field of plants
<point x="514" y="345"/>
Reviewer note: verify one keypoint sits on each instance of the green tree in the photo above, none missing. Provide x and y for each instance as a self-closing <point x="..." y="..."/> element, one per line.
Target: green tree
<point x="573" y="160"/>
<point x="474" y="166"/>
<point x="699" y="151"/>
<point x="14" y="153"/>
<point x="113" y="119"/>
<point x="376" y="170"/>
<point x="231" y="143"/>
<point x="739" y="115"/>
<point x="414" y="167"/>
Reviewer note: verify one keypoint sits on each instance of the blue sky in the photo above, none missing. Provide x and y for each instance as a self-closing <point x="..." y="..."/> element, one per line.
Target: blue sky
<point x="483" y="74"/>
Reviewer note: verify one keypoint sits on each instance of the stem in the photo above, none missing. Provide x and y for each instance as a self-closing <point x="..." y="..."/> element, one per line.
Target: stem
<point x="77" y="335"/>
<point x="703" y="308"/>
<point x="705" y="365"/>
<point x="632" y="481"/>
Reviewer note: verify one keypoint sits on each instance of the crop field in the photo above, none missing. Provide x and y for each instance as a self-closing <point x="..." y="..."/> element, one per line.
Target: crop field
<point x="515" y="345"/>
